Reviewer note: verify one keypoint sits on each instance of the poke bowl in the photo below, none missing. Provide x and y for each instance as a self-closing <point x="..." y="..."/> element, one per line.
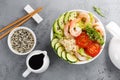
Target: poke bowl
<point x="78" y="36"/>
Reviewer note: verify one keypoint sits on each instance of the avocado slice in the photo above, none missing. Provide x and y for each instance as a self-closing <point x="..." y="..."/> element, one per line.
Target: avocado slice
<point x="66" y="18"/>
<point x="72" y="15"/>
<point x="61" y="21"/>
<point x="56" y="28"/>
<point x="82" y="52"/>
<point x="58" y="36"/>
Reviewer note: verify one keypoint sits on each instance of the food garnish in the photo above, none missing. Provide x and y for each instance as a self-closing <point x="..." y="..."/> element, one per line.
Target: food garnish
<point x="98" y="11"/>
<point x="94" y="35"/>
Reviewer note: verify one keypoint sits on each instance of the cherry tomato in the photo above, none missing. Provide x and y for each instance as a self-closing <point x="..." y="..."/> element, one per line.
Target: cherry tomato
<point x="93" y="49"/>
<point x="83" y="40"/>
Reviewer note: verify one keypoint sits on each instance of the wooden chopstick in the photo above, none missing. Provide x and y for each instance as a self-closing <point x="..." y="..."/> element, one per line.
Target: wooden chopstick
<point x="20" y="21"/>
<point x="3" y="35"/>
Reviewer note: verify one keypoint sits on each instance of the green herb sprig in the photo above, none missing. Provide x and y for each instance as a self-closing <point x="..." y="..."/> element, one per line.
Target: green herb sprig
<point x="98" y="11"/>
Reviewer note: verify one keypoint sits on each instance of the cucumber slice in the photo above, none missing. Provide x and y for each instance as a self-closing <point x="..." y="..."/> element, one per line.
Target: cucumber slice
<point x="71" y="58"/>
<point x="57" y="29"/>
<point x="53" y="42"/>
<point x="66" y="18"/>
<point x="57" y="45"/>
<point x="59" y="51"/>
<point x="72" y="15"/>
<point x="61" y="21"/>
<point x="64" y="55"/>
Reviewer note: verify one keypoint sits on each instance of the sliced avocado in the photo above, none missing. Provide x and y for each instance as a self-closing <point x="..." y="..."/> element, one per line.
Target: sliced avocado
<point x="72" y="15"/>
<point x="61" y="21"/>
<point x="82" y="52"/>
<point x="57" y="29"/>
<point x="91" y="17"/>
<point x="58" y="36"/>
<point x="66" y="18"/>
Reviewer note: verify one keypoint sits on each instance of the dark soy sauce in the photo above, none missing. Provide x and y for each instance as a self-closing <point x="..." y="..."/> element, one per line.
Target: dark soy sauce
<point x="36" y="61"/>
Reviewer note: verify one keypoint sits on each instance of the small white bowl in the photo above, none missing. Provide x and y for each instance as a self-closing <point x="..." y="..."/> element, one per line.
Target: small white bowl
<point x="102" y="27"/>
<point x="9" y="40"/>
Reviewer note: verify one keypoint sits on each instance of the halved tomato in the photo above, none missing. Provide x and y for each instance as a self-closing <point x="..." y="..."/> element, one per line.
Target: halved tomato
<point x="83" y="40"/>
<point x="93" y="49"/>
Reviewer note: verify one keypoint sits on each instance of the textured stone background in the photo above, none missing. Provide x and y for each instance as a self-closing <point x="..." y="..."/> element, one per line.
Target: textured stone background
<point x="12" y="66"/>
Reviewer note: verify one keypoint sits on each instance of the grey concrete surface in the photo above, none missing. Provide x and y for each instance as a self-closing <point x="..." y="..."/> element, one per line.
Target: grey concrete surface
<point x="12" y="66"/>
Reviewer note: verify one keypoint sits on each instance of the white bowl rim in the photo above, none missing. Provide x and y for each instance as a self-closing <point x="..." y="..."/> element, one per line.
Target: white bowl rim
<point x="88" y="61"/>
<point x="11" y="33"/>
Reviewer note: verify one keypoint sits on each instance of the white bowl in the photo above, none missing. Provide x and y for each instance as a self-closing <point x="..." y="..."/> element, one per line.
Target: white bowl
<point x="102" y="27"/>
<point x="9" y="40"/>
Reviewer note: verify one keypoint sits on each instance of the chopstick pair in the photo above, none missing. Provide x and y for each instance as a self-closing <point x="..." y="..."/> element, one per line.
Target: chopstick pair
<point x="17" y="23"/>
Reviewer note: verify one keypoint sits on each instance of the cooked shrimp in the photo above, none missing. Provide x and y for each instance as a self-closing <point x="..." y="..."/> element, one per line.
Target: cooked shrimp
<point x="75" y="30"/>
<point x="66" y="30"/>
<point x="81" y="58"/>
<point x="97" y="26"/>
<point x="84" y="17"/>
